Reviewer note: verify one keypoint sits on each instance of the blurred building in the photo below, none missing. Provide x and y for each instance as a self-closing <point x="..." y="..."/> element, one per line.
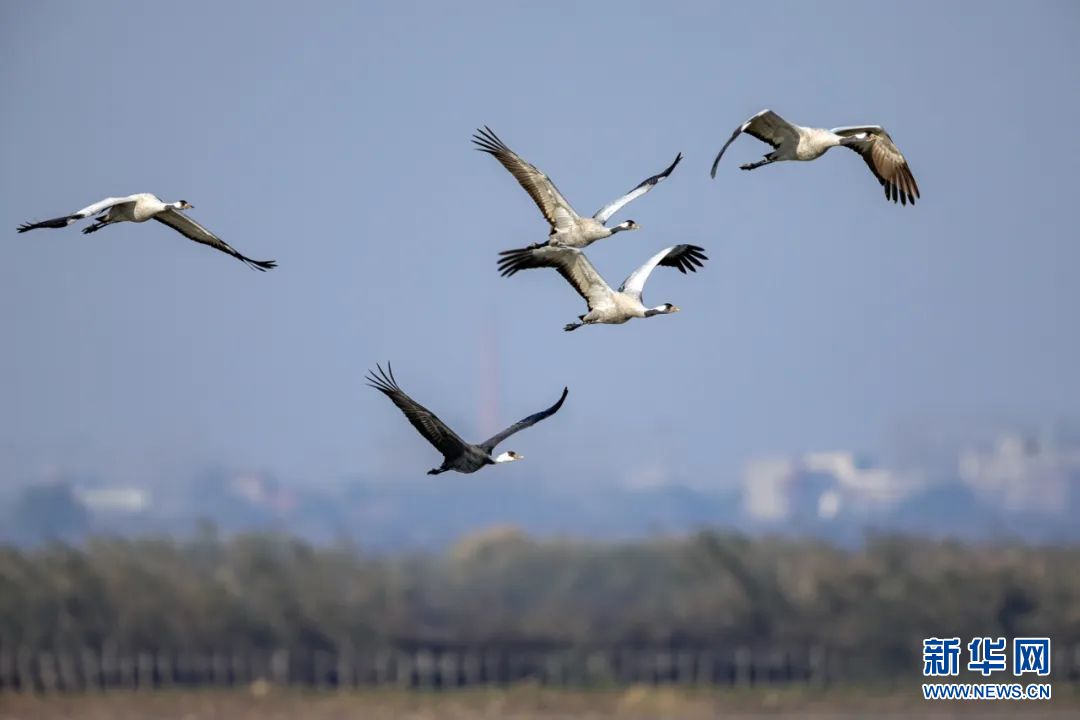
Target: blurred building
<point x="822" y="486"/>
<point x="1024" y="474"/>
<point x="1018" y="484"/>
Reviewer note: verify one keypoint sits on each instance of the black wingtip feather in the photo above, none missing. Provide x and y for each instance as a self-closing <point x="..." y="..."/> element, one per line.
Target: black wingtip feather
<point x="487" y="141"/>
<point x="260" y="265"/>
<point x="60" y="222"/>
<point x="511" y="261"/>
<point x="667" y="171"/>
<point x="382" y="382"/>
<point x="685" y="257"/>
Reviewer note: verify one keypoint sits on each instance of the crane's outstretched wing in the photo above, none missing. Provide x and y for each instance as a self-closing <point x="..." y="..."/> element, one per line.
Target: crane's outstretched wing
<point x="555" y="208"/>
<point x="885" y="160"/>
<point x="604" y="213"/>
<point x="434" y="430"/>
<point x="489" y="444"/>
<point x="766" y="126"/>
<point x="86" y="212"/>
<point x="571" y="263"/>
<point x="681" y="257"/>
<point x="194" y="231"/>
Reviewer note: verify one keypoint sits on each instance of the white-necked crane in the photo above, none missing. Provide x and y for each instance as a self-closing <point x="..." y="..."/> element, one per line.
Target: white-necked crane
<point x="140" y="208"/>
<point x="458" y="455"/>
<point x="794" y="142"/>
<point x="568" y="229"/>
<point x="606" y="306"/>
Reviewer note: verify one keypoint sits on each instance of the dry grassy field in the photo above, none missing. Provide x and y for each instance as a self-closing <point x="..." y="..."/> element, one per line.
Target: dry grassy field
<point x="522" y="703"/>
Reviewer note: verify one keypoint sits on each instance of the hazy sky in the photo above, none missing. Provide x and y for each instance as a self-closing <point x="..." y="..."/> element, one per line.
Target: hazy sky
<point x="335" y="138"/>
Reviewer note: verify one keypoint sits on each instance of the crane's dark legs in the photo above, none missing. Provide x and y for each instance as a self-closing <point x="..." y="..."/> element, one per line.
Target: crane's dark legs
<point x="574" y="326"/>
<point x="753" y="166"/>
<point x="96" y="225"/>
<point x="436" y="471"/>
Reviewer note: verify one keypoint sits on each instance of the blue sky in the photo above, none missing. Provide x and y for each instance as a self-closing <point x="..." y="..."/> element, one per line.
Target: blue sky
<point x="334" y="138"/>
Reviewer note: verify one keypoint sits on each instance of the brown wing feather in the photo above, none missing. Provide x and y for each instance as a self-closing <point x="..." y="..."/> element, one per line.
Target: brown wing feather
<point x="434" y="430"/>
<point x="194" y="231"/>
<point x="554" y="207"/>
<point x="571" y="263"/>
<point x="885" y="160"/>
<point x="766" y="126"/>
<point x="891" y="169"/>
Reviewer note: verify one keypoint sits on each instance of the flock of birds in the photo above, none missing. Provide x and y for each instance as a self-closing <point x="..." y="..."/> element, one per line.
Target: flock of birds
<point x="563" y="250"/>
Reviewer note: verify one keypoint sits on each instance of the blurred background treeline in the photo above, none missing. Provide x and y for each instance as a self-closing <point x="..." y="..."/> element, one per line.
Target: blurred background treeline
<point x="869" y="605"/>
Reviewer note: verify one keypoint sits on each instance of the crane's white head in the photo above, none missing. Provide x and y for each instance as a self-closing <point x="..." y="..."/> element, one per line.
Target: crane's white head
<point x="182" y="205"/>
<point x="625" y="225"/>
<point x="665" y="309"/>
<point x="509" y="456"/>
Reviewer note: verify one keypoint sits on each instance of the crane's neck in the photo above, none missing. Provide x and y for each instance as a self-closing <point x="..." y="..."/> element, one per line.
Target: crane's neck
<point x="665" y="309"/>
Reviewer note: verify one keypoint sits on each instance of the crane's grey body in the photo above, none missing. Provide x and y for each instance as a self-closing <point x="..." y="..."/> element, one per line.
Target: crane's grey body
<point x="582" y="233"/>
<point x="812" y="144"/>
<point x="808" y="144"/>
<point x="138" y="208"/>
<point x="568" y="228"/>
<point x="615" y="309"/>
<point x="458" y="455"/>
<point x="471" y="459"/>
<point x="606" y="306"/>
<point x="795" y="142"/>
